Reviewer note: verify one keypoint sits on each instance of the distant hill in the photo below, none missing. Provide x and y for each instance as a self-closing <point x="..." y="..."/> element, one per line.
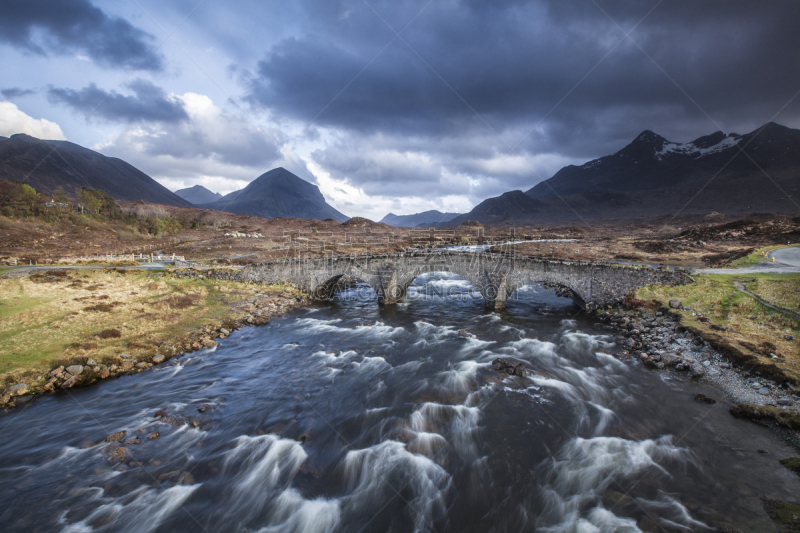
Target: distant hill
<point x="426" y="218"/>
<point x="198" y="195"/>
<point x="69" y="165"/>
<point x="278" y="193"/>
<point x="652" y="176"/>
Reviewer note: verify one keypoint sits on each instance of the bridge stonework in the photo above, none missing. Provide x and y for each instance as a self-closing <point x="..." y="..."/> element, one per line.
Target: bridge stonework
<point x="495" y="275"/>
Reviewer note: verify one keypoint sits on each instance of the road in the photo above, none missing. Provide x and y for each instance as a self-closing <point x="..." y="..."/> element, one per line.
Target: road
<point x="787" y="260"/>
<point x="787" y="256"/>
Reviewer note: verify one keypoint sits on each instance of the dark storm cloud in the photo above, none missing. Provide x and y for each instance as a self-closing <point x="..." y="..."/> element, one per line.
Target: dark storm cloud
<point x="16" y="92"/>
<point x="513" y="61"/>
<point x="150" y="103"/>
<point x="506" y="92"/>
<point x="76" y="26"/>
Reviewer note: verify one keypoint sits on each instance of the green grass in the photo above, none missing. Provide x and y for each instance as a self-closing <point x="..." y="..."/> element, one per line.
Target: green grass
<point x="746" y="321"/>
<point x="42" y="322"/>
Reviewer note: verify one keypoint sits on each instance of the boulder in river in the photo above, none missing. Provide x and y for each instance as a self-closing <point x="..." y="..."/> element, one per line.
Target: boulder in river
<point x="116" y="436"/>
<point x="700" y="397"/>
<point x="509" y="366"/>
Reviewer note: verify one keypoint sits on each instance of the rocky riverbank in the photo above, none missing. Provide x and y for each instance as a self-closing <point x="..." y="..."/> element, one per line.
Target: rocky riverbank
<point x="658" y="339"/>
<point x="80" y="371"/>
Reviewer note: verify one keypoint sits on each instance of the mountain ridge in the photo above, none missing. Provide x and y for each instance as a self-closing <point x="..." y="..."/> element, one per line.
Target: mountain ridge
<point x="198" y="195"/>
<point x="278" y="193"/>
<point x="46" y="165"/>
<point x="652" y="176"/>
<point x="423" y="219"/>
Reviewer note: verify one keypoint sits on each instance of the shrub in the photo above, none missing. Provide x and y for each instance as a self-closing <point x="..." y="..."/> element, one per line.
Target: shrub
<point x="110" y="334"/>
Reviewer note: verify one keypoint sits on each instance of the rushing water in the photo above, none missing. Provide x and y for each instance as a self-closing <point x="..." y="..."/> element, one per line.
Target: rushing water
<point x="348" y="417"/>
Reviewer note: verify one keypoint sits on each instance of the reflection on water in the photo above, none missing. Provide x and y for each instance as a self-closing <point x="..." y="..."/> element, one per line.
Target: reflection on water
<point x="348" y="417"/>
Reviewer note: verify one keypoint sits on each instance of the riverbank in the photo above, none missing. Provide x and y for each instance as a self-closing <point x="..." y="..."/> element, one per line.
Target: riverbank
<point x="65" y="328"/>
<point x="717" y="334"/>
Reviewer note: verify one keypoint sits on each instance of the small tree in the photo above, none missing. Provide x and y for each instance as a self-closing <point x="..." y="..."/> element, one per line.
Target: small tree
<point x="26" y="199"/>
<point x="88" y="201"/>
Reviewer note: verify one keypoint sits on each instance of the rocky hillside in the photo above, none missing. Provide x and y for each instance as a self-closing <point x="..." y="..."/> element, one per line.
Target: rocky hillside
<point x="47" y="165"/>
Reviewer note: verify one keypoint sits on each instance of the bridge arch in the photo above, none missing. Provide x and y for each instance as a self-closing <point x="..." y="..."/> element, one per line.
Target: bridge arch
<point x="495" y="275"/>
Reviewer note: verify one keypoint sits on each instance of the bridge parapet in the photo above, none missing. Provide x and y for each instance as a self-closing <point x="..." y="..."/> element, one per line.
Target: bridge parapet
<point x="495" y="275"/>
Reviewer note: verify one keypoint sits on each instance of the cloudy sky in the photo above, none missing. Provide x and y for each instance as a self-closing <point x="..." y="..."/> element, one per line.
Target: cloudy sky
<point x="390" y="105"/>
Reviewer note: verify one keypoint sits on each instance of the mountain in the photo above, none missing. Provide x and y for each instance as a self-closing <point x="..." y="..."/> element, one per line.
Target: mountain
<point x="198" y="195"/>
<point x="508" y="208"/>
<point x="425" y="219"/>
<point x="278" y="193"/>
<point x="47" y="165"/>
<point x="729" y="173"/>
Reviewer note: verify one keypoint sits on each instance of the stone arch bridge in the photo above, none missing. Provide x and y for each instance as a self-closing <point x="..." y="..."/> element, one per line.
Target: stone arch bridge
<point x="495" y="275"/>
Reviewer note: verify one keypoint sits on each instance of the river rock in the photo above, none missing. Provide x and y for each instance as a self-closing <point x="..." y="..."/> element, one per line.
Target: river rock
<point x="700" y="397"/>
<point x="785" y="402"/>
<point x="509" y="366"/>
<point x="117" y="436"/>
<point x="675" y="304"/>
<point x="186" y="478"/>
<point x="168" y="475"/>
<point x="56" y="371"/>
<point x="763" y="391"/>
<point x="117" y="455"/>
<point x="75" y="370"/>
<point x="697" y="370"/>
<point x="158" y="358"/>
<point x="127" y="365"/>
<point x="103" y="372"/>
<point x="69" y="383"/>
<point x="153" y="435"/>
<point x="18" y="389"/>
<point x="224" y="331"/>
<point x="91" y="362"/>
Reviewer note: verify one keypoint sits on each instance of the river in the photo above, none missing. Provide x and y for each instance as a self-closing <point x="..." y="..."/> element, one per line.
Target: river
<point x="348" y="417"/>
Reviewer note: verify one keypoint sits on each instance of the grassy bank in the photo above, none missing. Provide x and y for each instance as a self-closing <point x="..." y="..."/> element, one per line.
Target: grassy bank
<point x="737" y="320"/>
<point x="57" y="315"/>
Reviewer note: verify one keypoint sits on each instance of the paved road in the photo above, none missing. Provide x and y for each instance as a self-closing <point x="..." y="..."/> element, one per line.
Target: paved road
<point x="787" y="260"/>
<point x="787" y="256"/>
